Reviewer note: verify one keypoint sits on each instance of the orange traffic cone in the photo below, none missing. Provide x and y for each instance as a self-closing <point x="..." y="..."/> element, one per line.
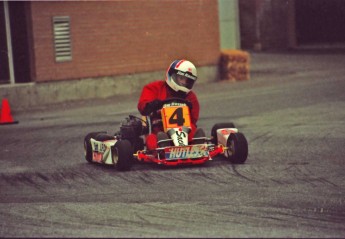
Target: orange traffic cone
<point x="6" y="117"/>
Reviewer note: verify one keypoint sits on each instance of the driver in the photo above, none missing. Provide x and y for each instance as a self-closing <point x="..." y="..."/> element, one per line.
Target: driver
<point x="180" y="78"/>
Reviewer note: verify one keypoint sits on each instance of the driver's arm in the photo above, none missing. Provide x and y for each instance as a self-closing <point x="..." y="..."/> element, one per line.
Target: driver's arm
<point x="151" y="107"/>
<point x="194" y="113"/>
<point x="191" y="97"/>
<point x="148" y="101"/>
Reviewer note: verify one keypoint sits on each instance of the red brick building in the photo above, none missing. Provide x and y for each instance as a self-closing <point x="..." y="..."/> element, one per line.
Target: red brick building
<point x="116" y="46"/>
<point x="110" y="37"/>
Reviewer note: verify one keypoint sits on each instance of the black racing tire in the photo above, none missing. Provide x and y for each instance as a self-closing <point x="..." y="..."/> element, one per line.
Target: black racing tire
<point x="87" y="145"/>
<point x="219" y="126"/>
<point x="199" y="133"/>
<point x="163" y="136"/>
<point x="122" y="155"/>
<point x="237" y="148"/>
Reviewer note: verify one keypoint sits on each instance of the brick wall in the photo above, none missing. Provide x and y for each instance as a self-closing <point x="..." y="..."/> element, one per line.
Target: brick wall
<point x="124" y="37"/>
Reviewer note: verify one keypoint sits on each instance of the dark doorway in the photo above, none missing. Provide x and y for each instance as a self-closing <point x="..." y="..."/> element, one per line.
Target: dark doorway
<point x="20" y="40"/>
<point x="320" y="21"/>
<point x="18" y="15"/>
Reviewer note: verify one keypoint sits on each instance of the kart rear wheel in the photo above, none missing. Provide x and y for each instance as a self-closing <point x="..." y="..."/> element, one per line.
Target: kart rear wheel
<point x="87" y="145"/>
<point x="237" y="151"/>
<point x="219" y="126"/>
<point x="122" y="155"/>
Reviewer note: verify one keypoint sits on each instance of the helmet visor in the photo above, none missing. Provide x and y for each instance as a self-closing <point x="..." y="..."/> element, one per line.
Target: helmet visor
<point x="184" y="79"/>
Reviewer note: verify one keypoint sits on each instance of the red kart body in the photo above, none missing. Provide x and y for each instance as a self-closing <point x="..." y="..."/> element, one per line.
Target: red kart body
<point x="173" y="147"/>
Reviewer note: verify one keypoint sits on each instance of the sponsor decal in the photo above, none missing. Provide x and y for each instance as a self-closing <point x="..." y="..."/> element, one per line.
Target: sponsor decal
<point x="193" y="151"/>
<point x="186" y="74"/>
<point x="101" y="151"/>
<point x="99" y="147"/>
<point x="180" y="137"/>
<point x="97" y="157"/>
<point x="174" y="104"/>
<point x="227" y="131"/>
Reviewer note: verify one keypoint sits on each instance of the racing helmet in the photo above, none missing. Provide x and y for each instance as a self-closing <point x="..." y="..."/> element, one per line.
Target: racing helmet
<point x="182" y="68"/>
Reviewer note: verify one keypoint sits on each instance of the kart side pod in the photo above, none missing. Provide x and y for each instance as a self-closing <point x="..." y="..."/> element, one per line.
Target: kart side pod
<point x="223" y="135"/>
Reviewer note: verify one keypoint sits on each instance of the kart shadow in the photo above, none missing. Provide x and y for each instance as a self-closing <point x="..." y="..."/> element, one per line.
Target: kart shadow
<point x="143" y="166"/>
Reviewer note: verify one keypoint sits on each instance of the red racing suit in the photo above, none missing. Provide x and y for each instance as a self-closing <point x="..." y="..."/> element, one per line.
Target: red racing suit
<point x="161" y="91"/>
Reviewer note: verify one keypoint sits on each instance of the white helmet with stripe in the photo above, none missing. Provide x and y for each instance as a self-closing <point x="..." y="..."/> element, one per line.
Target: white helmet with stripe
<point x="181" y="69"/>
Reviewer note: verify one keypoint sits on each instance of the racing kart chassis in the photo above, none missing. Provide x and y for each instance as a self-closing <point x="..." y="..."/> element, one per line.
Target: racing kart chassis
<point x="127" y="145"/>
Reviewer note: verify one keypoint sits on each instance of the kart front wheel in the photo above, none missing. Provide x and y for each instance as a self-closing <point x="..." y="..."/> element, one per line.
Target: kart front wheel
<point x="237" y="148"/>
<point x="122" y="155"/>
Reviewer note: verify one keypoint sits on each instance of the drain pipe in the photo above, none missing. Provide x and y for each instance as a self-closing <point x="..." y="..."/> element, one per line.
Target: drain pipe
<point x="9" y="42"/>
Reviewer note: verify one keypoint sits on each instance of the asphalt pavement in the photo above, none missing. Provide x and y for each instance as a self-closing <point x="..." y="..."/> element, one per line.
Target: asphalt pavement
<point x="292" y="112"/>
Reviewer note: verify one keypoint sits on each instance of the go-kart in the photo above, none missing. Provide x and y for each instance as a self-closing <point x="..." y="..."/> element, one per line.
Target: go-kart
<point x="173" y="148"/>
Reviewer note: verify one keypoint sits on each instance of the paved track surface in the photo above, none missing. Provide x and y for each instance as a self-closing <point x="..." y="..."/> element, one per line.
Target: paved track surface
<point x="292" y="112"/>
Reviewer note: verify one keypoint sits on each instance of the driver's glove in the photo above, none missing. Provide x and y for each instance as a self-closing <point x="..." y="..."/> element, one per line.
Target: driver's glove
<point x="152" y="106"/>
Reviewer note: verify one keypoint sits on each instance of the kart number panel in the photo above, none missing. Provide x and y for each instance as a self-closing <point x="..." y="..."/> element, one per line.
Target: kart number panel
<point x="175" y="116"/>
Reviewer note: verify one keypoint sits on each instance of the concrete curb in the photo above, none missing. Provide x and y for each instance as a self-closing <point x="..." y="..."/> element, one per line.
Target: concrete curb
<point x="39" y="95"/>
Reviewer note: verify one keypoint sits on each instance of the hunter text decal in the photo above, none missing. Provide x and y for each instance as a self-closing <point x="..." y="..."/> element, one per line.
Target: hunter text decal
<point x="194" y="151"/>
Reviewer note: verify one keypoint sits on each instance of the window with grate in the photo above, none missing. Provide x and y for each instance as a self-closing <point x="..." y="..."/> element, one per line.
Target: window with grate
<point x="62" y="39"/>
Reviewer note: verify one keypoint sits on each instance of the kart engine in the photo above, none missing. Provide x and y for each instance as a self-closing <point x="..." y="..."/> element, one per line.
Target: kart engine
<point x="131" y="129"/>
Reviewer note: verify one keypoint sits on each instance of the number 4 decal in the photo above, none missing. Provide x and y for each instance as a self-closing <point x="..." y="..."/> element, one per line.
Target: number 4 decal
<point x="177" y="117"/>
